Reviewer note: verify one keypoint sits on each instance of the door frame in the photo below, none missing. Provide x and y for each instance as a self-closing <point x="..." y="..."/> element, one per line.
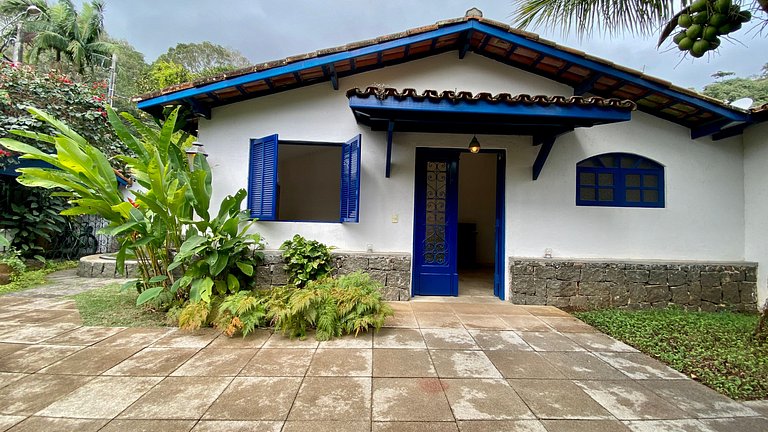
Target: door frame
<point x="499" y="287"/>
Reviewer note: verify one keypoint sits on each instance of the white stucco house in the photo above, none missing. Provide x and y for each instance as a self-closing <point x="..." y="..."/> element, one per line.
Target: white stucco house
<point x="606" y="187"/>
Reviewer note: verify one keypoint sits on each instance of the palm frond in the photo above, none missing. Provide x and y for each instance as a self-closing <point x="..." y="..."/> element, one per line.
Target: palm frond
<point x="583" y="17"/>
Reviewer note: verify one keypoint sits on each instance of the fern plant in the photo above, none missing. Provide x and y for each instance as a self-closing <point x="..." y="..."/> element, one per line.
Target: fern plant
<point x="306" y="260"/>
<point x="241" y="312"/>
<point x="334" y="307"/>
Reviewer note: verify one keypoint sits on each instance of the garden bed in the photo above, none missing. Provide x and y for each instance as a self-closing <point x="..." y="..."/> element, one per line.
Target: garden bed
<point x="33" y="278"/>
<point x="715" y="348"/>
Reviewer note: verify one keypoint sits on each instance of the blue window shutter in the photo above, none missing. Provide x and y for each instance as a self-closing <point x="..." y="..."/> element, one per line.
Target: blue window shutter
<point x="350" y="180"/>
<point x="262" y="181"/>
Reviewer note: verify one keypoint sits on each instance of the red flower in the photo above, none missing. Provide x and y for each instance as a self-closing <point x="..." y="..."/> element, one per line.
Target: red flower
<point x="133" y="203"/>
<point x="4" y="153"/>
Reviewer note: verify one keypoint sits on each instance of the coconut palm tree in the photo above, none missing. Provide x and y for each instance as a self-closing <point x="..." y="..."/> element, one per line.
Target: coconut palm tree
<point x="72" y="35"/>
<point x="610" y="16"/>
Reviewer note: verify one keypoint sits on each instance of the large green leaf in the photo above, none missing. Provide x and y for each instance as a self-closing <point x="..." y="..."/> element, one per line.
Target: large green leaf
<point x="124" y="134"/>
<point x="148" y="294"/>
<point x="190" y="244"/>
<point x="245" y="268"/>
<point x="61" y="126"/>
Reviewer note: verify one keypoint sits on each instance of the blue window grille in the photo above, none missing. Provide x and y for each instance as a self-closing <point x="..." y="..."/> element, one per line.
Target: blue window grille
<point x="619" y="180"/>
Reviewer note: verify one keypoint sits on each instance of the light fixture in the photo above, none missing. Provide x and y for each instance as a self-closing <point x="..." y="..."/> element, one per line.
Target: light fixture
<point x="474" y="145"/>
<point x="195" y="149"/>
<point x="33" y="10"/>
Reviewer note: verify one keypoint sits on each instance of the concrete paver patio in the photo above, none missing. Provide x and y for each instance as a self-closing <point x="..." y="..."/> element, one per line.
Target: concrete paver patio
<point x="436" y="366"/>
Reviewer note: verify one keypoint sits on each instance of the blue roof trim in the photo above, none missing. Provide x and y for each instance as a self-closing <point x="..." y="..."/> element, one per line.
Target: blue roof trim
<point x="302" y="65"/>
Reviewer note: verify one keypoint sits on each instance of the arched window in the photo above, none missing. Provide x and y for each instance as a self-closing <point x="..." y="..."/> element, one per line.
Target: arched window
<point x="619" y="180"/>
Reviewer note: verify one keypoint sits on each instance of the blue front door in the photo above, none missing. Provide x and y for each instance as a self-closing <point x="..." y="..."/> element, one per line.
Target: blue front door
<point x="436" y="222"/>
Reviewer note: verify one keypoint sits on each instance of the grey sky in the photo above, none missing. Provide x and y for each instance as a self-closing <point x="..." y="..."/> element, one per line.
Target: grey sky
<point x="270" y="30"/>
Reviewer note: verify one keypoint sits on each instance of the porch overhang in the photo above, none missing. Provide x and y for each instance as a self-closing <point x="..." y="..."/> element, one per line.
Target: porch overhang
<point x="542" y="117"/>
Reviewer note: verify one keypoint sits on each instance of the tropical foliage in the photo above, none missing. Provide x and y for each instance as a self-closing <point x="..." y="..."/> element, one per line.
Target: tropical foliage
<point x="731" y="89"/>
<point x="306" y="260"/>
<point x="643" y="17"/>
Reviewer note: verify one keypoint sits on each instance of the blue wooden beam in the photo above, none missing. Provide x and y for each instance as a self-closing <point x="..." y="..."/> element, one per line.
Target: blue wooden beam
<point x="541" y="158"/>
<point x="467" y="43"/>
<point x="730" y="132"/>
<point x="586" y="85"/>
<point x="709" y="128"/>
<point x="241" y="89"/>
<point x="390" y="130"/>
<point x="269" y="83"/>
<point x="334" y="76"/>
<point x="213" y="96"/>
<point x="199" y="109"/>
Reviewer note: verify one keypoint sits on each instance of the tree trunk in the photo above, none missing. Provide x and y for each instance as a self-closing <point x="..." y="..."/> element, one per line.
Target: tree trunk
<point x="761" y="332"/>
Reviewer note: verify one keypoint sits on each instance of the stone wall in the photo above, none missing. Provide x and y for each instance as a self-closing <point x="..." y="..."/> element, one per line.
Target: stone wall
<point x="591" y="284"/>
<point x="393" y="270"/>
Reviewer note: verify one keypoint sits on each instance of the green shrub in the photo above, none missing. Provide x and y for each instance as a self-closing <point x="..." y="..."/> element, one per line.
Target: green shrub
<point x="241" y="312"/>
<point x="12" y="258"/>
<point x="347" y="304"/>
<point x="306" y="260"/>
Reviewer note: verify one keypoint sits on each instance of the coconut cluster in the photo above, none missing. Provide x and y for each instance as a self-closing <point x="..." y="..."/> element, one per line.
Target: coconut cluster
<point x="705" y="22"/>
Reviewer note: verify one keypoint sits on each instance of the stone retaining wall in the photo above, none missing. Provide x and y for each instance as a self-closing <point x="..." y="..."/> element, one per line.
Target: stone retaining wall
<point x="591" y="284"/>
<point x="393" y="270"/>
<point x="94" y="266"/>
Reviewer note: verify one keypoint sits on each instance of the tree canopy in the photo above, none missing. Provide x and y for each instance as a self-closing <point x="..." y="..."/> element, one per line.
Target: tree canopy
<point x="729" y="90"/>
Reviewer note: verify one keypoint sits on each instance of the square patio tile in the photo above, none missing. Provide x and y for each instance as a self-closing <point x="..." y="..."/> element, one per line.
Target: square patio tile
<point x="215" y="362"/>
<point x="484" y="399"/>
<point x="327" y="426"/>
<point x="568" y="324"/>
<point x="187" y="339"/>
<point x="430" y="306"/>
<point x="177" y="398"/>
<point x="499" y="340"/>
<point x="333" y="398"/>
<point x="392" y="362"/>
<point x="10" y="348"/>
<point x="153" y="362"/>
<point x="544" y="311"/>
<point x="255" y="398"/>
<point x="449" y="338"/>
<point x="399" y="306"/>
<point x="341" y="362"/>
<point x="558" y="399"/>
<point x="438" y="320"/>
<point x="35" y="357"/>
<point x="398" y="338"/>
<point x="237" y="426"/>
<point x="585" y="426"/>
<point x="10" y="377"/>
<point x="402" y="319"/>
<point x="103" y="397"/>
<point x="523" y="364"/>
<point x="90" y="361"/>
<point x="135" y="337"/>
<point x="486" y="322"/>
<point x="362" y="340"/>
<point x="501" y="426"/>
<point x="415" y="427"/>
<point x="507" y="309"/>
<point x="36" y="424"/>
<point x="85" y="336"/>
<point x="470" y="308"/>
<point x="7" y="421"/>
<point x="582" y="365"/>
<point x="639" y="366"/>
<point x="121" y="425"/>
<point x="463" y="364"/>
<point x="525" y="323"/>
<point x="549" y="341"/>
<point x="279" y="362"/>
<point x="697" y="399"/>
<point x="34" y="392"/>
<point x="278" y="340"/>
<point x="628" y="400"/>
<point x="254" y="340"/>
<point x="410" y="399"/>
<point x="599" y="342"/>
<point x="761" y="406"/>
<point x="737" y="424"/>
<point x="686" y="425"/>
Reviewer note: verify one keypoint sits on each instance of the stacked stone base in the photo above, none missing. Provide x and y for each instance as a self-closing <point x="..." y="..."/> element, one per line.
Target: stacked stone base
<point x="592" y="284"/>
<point x="94" y="266"/>
<point x="393" y="270"/>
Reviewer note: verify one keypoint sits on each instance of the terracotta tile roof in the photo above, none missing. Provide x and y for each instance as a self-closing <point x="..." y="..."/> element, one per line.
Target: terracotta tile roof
<point x="506" y="98"/>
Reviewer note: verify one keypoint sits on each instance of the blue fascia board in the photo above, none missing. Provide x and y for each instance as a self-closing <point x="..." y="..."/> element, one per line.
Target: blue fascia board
<point x="605" y="69"/>
<point x="485" y="107"/>
<point x="304" y="64"/>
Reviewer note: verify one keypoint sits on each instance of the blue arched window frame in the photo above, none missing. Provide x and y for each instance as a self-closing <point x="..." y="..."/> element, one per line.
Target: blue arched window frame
<point x="619" y="180"/>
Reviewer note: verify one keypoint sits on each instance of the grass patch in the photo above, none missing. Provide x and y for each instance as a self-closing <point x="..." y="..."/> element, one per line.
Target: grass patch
<point x="110" y="306"/>
<point x="716" y="348"/>
<point x="33" y="278"/>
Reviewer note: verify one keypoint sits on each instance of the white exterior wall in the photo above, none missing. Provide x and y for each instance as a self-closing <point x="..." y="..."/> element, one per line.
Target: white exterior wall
<point x="756" y="204"/>
<point x="703" y="218"/>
